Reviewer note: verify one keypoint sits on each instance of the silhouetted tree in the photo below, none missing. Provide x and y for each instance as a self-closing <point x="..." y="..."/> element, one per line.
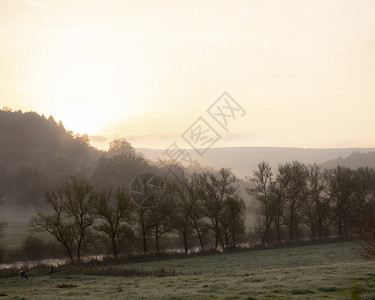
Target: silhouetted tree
<point x="188" y="215"/>
<point x="233" y="220"/>
<point x="162" y="208"/>
<point x="219" y="187"/>
<point x="262" y="178"/>
<point x="118" y="169"/>
<point x="195" y="191"/>
<point x="293" y="176"/>
<point x="115" y="209"/>
<point x="141" y="192"/>
<point x="278" y="194"/>
<point x="316" y="207"/>
<point x="121" y="146"/>
<point x="272" y="194"/>
<point x="71" y="217"/>
<point x="340" y="188"/>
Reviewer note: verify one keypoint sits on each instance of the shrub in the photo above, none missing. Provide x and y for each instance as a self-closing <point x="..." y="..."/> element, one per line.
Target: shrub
<point x="366" y="236"/>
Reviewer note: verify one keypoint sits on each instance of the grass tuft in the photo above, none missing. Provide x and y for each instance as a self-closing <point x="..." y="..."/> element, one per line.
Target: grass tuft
<point x="66" y="286"/>
<point x="328" y="289"/>
<point x="302" y="292"/>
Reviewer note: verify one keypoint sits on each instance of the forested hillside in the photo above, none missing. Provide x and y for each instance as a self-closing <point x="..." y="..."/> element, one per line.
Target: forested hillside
<point x="37" y="153"/>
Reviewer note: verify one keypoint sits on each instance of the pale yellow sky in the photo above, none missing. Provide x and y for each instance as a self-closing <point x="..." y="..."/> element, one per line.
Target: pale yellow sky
<point x="303" y="70"/>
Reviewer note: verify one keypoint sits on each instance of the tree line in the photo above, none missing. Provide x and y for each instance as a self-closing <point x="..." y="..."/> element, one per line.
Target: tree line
<point x="202" y="210"/>
<point x="300" y="201"/>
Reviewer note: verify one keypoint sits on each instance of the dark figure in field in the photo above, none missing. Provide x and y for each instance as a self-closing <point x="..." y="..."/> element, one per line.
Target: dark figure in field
<point x="23" y="275"/>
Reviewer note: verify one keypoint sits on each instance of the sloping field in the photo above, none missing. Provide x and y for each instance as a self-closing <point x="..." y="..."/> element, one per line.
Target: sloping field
<point x="325" y="271"/>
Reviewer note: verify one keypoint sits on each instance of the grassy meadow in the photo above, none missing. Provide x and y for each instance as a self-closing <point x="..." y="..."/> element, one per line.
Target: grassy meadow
<point x="319" y="271"/>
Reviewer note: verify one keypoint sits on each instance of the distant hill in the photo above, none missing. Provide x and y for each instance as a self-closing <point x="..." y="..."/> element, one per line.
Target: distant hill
<point x="33" y="140"/>
<point x="244" y="160"/>
<point x="36" y="153"/>
<point x="355" y="160"/>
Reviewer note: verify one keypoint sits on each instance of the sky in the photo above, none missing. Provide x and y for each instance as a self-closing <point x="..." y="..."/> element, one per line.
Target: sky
<point x="301" y="72"/>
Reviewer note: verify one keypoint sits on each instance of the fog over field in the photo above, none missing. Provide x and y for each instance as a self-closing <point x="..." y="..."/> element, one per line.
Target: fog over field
<point x="167" y="149"/>
<point x="243" y="161"/>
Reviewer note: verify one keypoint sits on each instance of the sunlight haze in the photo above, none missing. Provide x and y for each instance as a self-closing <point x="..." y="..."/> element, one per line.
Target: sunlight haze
<point x="303" y="71"/>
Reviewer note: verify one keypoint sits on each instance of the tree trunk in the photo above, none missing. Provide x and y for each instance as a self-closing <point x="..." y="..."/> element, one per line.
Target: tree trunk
<point x="185" y="241"/>
<point x="144" y="243"/>
<point x="234" y="234"/>
<point x="114" y="247"/>
<point x="320" y="229"/>
<point x="79" y="248"/>
<point x="199" y="235"/>
<point x="278" y="230"/>
<point x="157" y="239"/>
<point x="339" y="228"/>
<point x="143" y="234"/>
<point x="69" y="253"/>
<point x="291" y="227"/>
<point x="265" y="237"/>
<point x="216" y="241"/>
<point x="218" y="234"/>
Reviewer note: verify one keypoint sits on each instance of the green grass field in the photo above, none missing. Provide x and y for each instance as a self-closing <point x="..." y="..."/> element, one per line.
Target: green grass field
<point x="325" y="271"/>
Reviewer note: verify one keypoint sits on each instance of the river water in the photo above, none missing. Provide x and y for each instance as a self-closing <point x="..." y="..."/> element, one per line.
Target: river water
<point x="48" y="262"/>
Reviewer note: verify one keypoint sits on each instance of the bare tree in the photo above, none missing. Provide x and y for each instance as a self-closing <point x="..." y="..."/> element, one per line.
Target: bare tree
<point x="195" y="191"/>
<point x="262" y="179"/>
<point x="233" y="219"/>
<point x="340" y="188"/>
<point x="162" y="209"/>
<point x="142" y="193"/>
<point x="218" y="188"/>
<point x="71" y="217"/>
<point x="293" y="176"/>
<point x="271" y="193"/>
<point x="56" y="223"/>
<point x="188" y="216"/>
<point x="316" y="207"/>
<point x="115" y="209"/>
